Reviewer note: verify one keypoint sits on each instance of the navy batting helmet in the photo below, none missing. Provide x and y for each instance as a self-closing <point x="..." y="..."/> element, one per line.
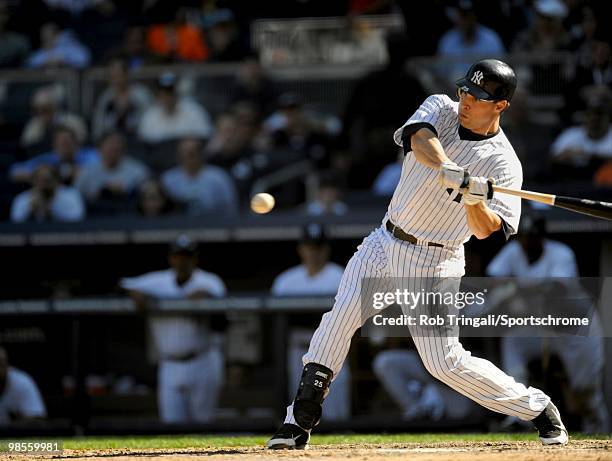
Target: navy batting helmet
<point x="490" y="80"/>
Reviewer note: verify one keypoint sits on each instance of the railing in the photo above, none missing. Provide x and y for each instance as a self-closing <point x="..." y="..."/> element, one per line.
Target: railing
<point x="333" y="40"/>
<point x="68" y="347"/>
<point x="18" y="86"/>
<point x="322" y="84"/>
<point x="112" y="306"/>
<point x="279" y="226"/>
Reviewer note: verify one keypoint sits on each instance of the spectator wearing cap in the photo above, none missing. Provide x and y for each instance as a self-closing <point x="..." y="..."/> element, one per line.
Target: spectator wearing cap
<point x="20" y="399"/>
<point x="316" y="275"/>
<point x="190" y="358"/>
<point x="223" y="36"/>
<point x="116" y="176"/>
<point x="122" y="104"/>
<point x="47" y="200"/>
<point x="178" y="40"/>
<point x="328" y="196"/>
<point x="582" y="149"/>
<point x="546" y="32"/>
<point x="173" y="117"/>
<point x="203" y="188"/>
<point x="47" y="115"/>
<point x="468" y="37"/>
<point x="68" y="156"/>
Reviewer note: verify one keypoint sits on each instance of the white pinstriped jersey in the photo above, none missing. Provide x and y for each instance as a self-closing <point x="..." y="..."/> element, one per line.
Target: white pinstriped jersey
<point x="421" y="207"/>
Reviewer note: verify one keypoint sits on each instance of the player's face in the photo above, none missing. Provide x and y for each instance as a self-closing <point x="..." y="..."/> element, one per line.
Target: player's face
<point x="313" y="254"/>
<point x="166" y="99"/>
<point x="182" y="263"/>
<point x="532" y="245"/>
<point x="597" y="123"/>
<point x="478" y="115"/>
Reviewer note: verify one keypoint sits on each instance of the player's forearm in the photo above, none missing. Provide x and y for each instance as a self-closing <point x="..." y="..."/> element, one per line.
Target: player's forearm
<point x="427" y="149"/>
<point x="200" y="294"/>
<point x="141" y="300"/>
<point x="481" y="220"/>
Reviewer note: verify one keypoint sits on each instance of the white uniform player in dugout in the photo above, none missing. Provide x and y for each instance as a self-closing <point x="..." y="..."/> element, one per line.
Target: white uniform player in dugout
<point x="190" y="372"/>
<point x="437" y="206"/>
<point x="537" y="261"/>
<point x="315" y="276"/>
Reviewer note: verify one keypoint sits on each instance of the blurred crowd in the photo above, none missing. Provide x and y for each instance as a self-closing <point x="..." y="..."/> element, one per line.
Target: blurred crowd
<point x="155" y="148"/>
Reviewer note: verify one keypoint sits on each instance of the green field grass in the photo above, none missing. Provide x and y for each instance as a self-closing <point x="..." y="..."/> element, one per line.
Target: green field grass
<point x="214" y="441"/>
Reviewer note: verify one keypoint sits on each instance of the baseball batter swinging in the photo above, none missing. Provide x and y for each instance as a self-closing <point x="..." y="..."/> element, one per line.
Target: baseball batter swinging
<point x="437" y="206"/>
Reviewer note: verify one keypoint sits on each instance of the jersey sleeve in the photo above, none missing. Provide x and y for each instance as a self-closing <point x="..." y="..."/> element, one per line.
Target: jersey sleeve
<point x="565" y="263"/>
<point x="218" y="288"/>
<point x="279" y="286"/>
<point x="435" y="112"/>
<point x="143" y="283"/>
<point x="212" y="284"/>
<point x="29" y="402"/>
<point x="508" y="207"/>
<point x="568" y="139"/>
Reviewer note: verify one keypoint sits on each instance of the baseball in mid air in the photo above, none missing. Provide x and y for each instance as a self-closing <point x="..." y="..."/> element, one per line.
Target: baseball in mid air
<point x="262" y="203"/>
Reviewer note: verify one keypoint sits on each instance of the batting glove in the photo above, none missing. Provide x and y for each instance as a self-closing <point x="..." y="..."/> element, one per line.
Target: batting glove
<point x="452" y="176"/>
<point x="480" y="189"/>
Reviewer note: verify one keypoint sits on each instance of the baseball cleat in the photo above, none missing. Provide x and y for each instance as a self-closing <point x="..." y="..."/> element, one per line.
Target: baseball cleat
<point x="551" y="428"/>
<point x="289" y="437"/>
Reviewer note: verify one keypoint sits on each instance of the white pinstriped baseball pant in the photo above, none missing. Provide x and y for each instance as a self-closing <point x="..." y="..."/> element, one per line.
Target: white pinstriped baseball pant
<point x="387" y="260"/>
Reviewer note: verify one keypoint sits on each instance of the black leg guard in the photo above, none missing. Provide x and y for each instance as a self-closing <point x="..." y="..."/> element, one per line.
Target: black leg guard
<point x="314" y="387"/>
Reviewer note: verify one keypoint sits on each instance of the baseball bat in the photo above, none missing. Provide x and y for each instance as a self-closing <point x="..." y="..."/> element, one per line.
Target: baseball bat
<point x="580" y="205"/>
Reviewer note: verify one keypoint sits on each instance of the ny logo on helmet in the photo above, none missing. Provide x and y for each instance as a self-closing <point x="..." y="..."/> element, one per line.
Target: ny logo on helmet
<point x="477" y="77"/>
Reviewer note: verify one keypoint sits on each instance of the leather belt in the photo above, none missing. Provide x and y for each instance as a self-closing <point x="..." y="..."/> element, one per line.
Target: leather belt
<point x="398" y="233"/>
